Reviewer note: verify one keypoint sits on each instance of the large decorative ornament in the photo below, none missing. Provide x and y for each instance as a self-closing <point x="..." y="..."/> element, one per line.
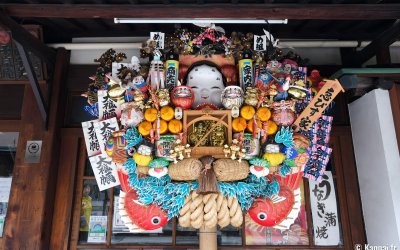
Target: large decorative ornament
<point x="207" y="83"/>
<point x="147" y="217"/>
<point x="183" y="97"/>
<point x="231" y="97"/>
<point x="185" y="182"/>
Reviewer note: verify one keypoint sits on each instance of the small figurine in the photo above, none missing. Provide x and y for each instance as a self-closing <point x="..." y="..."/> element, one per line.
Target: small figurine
<point x="177" y="152"/>
<point x="241" y="154"/>
<point x="173" y="155"/>
<point x="227" y="150"/>
<point x="235" y="148"/>
<point x="188" y="151"/>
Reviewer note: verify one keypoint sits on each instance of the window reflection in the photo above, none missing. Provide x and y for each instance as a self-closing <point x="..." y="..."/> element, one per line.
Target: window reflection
<point x="229" y="236"/>
<point x="94" y="203"/>
<point x="186" y="235"/>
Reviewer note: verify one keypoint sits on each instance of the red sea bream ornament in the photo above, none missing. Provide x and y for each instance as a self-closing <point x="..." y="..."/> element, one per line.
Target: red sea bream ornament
<point x="147" y="217"/>
<point x="279" y="211"/>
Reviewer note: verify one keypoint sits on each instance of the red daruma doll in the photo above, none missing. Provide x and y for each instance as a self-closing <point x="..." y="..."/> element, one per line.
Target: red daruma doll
<point x="182" y="96"/>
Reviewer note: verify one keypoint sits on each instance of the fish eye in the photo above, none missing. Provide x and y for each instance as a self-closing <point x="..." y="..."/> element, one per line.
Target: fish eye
<point x="156" y="220"/>
<point x="131" y="151"/>
<point x="262" y="216"/>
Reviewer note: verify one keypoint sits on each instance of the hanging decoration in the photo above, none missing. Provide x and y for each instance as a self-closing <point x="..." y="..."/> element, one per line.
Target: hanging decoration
<point x="212" y="128"/>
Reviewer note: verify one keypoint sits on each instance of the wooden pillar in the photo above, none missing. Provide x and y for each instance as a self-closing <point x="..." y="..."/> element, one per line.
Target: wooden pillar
<point x="31" y="201"/>
<point x="395" y="103"/>
<point x="208" y="238"/>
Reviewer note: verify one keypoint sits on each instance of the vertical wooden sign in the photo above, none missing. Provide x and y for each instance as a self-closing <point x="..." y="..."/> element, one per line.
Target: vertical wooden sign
<point x="319" y="103"/>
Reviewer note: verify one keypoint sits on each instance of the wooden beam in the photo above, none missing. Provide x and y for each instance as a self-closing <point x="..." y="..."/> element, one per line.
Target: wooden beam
<point x="385" y="39"/>
<point x="33" y="81"/>
<point x="27" y="40"/>
<point x="272" y="11"/>
<point x="383" y="57"/>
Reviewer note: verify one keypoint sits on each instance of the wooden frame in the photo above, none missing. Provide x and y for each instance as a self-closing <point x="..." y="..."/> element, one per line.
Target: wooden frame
<point x="260" y="11"/>
<point x="223" y="117"/>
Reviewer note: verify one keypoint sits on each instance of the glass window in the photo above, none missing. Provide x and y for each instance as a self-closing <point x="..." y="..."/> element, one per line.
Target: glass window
<point x="229" y="236"/>
<point x="186" y="235"/>
<point x="94" y="211"/>
<point x="8" y="145"/>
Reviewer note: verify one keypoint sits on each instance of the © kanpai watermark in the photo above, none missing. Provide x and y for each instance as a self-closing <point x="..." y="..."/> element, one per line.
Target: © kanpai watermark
<point x="374" y="247"/>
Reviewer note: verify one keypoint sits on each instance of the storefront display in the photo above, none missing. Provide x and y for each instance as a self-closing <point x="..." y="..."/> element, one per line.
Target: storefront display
<point x="219" y="134"/>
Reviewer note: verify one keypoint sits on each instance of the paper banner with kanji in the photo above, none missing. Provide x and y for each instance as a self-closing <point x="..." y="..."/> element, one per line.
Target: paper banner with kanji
<point x="107" y="107"/>
<point x="324" y="211"/>
<point x="104" y="130"/>
<point x="92" y="143"/>
<point x="105" y="171"/>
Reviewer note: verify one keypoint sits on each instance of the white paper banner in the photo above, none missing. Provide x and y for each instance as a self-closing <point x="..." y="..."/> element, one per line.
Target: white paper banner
<point x="324" y="211"/>
<point x="260" y="42"/>
<point x="104" y="130"/>
<point x="107" y="107"/>
<point x="97" y="229"/>
<point x="159" y="38"/>
<point x="92" y="143"/>
<point x="5" y="187"/>
<point x="105" y="171"/>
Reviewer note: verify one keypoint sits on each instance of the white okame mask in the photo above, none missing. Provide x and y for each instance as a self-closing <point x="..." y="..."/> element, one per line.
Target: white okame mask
<point x="207" y="84"/>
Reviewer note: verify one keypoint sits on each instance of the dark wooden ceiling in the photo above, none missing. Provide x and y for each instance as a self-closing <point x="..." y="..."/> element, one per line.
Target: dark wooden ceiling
<point x="308" y="19"/>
